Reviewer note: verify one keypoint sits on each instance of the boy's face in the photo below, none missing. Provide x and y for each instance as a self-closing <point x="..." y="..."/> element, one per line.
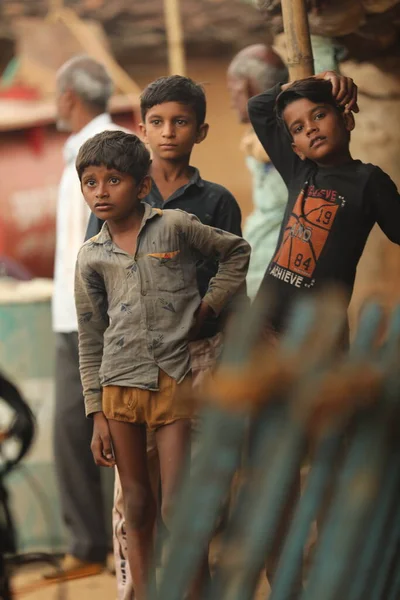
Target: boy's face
<point x="111" y="194"/>
<point x="319" y="132"/>
<point x="171" y="130"/>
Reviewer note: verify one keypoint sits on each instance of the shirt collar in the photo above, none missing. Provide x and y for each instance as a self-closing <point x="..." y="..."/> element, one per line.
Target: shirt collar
<point x="75" y="141"/>
<point x="195" y="179"/>
<point x="155" y="199"/>
<point x="104" y="237"/>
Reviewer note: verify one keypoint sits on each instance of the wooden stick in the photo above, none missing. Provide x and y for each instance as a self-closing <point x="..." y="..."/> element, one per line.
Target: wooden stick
<point x="299" y="52"/>
<point x="173" y="25"/>
<point x="93" y="46"/>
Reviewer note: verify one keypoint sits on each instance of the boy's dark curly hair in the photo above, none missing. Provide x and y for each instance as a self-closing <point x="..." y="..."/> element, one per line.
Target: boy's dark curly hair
<point x="118" y="150"/>
<point x="175" y="88"/>
<point x="318" y="91"/>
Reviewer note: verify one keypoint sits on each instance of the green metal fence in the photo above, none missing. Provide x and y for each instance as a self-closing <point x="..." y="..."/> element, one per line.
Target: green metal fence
<point x="301" y="401"/>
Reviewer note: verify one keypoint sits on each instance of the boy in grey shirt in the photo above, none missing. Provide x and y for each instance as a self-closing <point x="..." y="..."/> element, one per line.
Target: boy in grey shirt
<point x="138" y="306"/>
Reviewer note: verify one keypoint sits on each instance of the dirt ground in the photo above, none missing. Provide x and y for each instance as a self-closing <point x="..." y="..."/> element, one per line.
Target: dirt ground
<point x="100" y="587"/>
<point x="30" y="585"/>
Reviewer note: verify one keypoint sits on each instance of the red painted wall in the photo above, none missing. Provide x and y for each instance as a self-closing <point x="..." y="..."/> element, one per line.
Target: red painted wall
<point x="30" y="169"/>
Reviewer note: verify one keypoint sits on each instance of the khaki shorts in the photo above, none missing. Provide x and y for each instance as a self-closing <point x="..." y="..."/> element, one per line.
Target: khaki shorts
<point x="171" y="402"/>
<point x="204" y="355"/>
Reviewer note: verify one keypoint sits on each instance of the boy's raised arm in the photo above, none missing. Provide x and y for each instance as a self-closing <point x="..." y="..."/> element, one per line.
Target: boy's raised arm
<point x="232" y="252"/>
<point x="91" y="308"/>
<point x="273" y="136"/>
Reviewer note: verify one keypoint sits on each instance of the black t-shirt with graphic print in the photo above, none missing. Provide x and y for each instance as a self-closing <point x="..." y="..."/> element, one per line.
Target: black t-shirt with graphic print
<point x="328" y="218"/>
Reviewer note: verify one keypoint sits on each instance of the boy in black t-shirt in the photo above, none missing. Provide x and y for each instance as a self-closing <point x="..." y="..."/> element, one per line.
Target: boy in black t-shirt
<point x="334" y="200"/>
<point x="333" y="203"/>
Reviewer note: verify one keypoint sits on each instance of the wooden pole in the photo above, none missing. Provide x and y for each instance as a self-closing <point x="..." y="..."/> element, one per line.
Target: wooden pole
<point x="299" y="52"/>
<point x="94" y="47"/>
<point x="173" y="25"/>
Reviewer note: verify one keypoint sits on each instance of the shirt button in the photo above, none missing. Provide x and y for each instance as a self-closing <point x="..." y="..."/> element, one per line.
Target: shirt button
<point x="144" y="293"/>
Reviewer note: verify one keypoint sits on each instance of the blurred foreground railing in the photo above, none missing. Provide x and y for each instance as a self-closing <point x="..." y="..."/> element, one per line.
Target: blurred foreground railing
<point x="273" y="408"/>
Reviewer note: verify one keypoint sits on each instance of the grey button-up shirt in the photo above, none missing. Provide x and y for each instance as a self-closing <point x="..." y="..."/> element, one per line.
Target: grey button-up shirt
<point x="135" y="311"/>
<point x="213" y="205"/>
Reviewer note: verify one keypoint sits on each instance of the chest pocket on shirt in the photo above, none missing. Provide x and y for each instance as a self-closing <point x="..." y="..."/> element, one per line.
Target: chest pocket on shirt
<point x="167" y="270"/>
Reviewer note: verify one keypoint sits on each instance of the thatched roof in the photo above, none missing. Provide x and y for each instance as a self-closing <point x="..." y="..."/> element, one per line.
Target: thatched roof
<point x="367" y="29"/>
<point x="135" y="27"/>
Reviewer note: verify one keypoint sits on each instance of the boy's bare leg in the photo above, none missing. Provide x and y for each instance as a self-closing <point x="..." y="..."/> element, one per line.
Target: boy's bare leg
<point x="129" y="443"/>
<point x="123" y="573"/>
<point x="204" y="354"/>
<point x="173" y="443"/>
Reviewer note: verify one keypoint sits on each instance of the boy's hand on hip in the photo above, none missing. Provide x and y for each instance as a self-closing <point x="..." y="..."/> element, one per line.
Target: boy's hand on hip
<point x="101" y="445"/>
<point x="344" y="90"/>
<point x="202" y="314"/>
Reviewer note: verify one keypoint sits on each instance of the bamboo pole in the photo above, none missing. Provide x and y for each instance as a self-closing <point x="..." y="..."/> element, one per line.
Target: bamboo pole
<point x="299" y="52"/>
<point x="173" y="25"/>
<point x="92" y="46"/>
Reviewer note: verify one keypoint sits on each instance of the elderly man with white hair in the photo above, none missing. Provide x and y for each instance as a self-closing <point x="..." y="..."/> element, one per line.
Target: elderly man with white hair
<point x="255" y="69"/>
<point x="83" y="91"/>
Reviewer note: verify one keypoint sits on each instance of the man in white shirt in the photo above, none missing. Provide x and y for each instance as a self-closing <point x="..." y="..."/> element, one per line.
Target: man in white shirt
<point x="83" y="91"/>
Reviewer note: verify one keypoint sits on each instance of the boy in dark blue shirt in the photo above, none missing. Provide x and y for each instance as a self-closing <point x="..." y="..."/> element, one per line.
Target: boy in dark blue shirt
<point x="173" y="111"/>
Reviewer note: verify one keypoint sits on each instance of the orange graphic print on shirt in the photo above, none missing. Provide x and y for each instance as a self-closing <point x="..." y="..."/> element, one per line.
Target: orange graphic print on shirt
<point x="306" y="233"/>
